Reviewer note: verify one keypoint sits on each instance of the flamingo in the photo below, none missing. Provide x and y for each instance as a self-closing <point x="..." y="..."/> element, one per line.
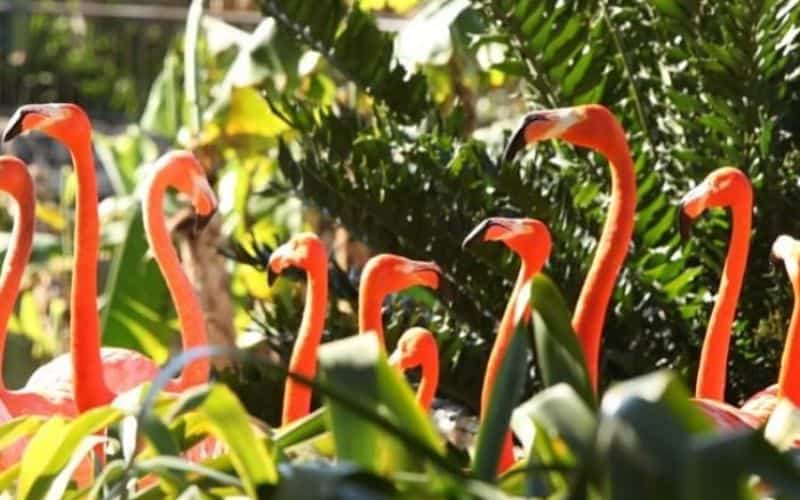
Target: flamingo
<point x="724" y="187"/>
<point x="530" y="240"/>
<point x="761" y="405"/>
<point x="385" y="274"/>
<point x="97" y="376"/>
<point x="417" y="347"/>
<point x="307" y="252"/>
<point x="592" y="126"/>
<point x="124" y="369"/>
<point x="17" y="182"/>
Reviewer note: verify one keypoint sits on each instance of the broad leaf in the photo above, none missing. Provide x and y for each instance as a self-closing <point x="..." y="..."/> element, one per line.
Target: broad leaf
<point x="558" y="354"/>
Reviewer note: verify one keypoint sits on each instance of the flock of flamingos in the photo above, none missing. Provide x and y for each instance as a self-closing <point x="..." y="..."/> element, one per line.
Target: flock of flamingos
<point x="91" y="375"/>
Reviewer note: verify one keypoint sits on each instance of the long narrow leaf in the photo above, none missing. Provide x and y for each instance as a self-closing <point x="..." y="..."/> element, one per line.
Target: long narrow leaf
<point x="230" y="422"/>
<point x="50" y="449"/>
<point x="558" y="354"/>
<point x="507" y="391"/>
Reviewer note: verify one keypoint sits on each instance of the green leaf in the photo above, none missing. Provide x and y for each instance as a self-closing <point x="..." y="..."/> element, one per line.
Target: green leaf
<point x="358" y="365"/>
<point x="18" y="428"/>
<point x="174" y="464"/>
<point x="8" y="476"/>
<point x="80" y="455"/>
<point x="558" y="354"/>
<point x="721" y="466"/>
<point x="494" y="424"/>
<point x="190" y="66"/>
<point x="645" y="436"/>
<point x="324" y="481"/>
<point x="50" y="449"/>
<point x="340" y="33"/>
<point x="138" y="308"/>
<point x="562" y="412"/>
<point x="231" y="424"/>
<point x="162" y="112"/>
<point x="302" y="429"/>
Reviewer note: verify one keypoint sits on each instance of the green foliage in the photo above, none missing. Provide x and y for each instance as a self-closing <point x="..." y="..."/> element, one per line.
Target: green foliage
<point x="695" y="89"/>
<point x="314" y="105"/>
<point x="646" y="440"/>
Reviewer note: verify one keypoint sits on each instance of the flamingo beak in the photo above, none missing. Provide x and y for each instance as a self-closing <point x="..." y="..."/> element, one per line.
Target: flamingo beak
<point x="201" y="221"/>
<point x="685" y="224"/>
<point x="271" y="276"/>
<point x="279" y="260"/>
<point x="781" y="249"/>
<point x="517" y="142"/>
<point x="483" y="228"/>
<point x="421" y="269"/>
<point x="29" y="117"/>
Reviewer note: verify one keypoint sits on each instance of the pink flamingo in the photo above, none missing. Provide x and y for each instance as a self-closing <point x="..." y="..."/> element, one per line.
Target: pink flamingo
<point x="592" y="126"/>
<point x="761" y="405"/>
<point x="99" y="376"/>
<point x="530" y="240"/>
<point x="307" y="252"/>
<point x="17" y="182"/>
<point x="417" y="347"/>
<point x="724" y="187"/>
<point x="385" y="274"/>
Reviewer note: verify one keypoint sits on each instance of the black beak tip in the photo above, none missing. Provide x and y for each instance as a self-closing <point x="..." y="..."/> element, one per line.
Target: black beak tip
<point x="684" y="224"/>
<point x="201" y="221"/>
<point x="271" y="276"/>
<point x="13" y="129"/>
<point x="475" y="233"/>
<point x="515" y="144"/>
<point x="14" y="126"/>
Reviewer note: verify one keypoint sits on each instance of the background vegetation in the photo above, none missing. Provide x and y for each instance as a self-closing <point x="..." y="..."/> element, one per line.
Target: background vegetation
<point x="396" y="147"/>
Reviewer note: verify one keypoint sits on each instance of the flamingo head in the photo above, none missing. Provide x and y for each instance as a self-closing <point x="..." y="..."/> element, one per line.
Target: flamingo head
<point x="67" y="123"/>
<point x="303" y="250"/>
<point x="721" y="188"/>
<point x="14" y="176"/>
<point x="388" y="273"/>
<point x="528" y="238"/>
<point x="412" y="348"/>
<point x="545" y="124"/>
<point x="787" y="249"/>
<point x="185" y="173"/>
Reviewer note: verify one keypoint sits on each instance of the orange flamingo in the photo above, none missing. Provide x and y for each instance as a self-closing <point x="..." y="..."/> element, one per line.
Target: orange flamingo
<point x="592" y="126"/>
<point x="124" y="369"/>
<point x="98" y="376"/>
<point x="385" y="274"/>
<point x="762" y="404"/>
<point x="417" y="347"/>
<point x="724" y="187"/>
<point x="307" y="252"/>
<point x="17" y="182"/>
<point x="530" y="240"/>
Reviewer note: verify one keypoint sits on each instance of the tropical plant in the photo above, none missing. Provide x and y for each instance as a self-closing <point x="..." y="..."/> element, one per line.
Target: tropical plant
<point x="321" y="119"/>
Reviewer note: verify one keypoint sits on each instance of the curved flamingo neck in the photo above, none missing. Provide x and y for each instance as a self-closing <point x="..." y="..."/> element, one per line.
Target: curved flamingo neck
<point x="788" y="385"/>
<point x="429" y="379"/>
<point x="17" y="255"/>
<point x="505" y="332"/>
<point x="297" y="397"/>
<point x="91" y="389"/>
<point x="714" y="356"/>
<point x="370" y="306"/>
<point x="612" y="247"/>
<point x="190" y="316"/>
